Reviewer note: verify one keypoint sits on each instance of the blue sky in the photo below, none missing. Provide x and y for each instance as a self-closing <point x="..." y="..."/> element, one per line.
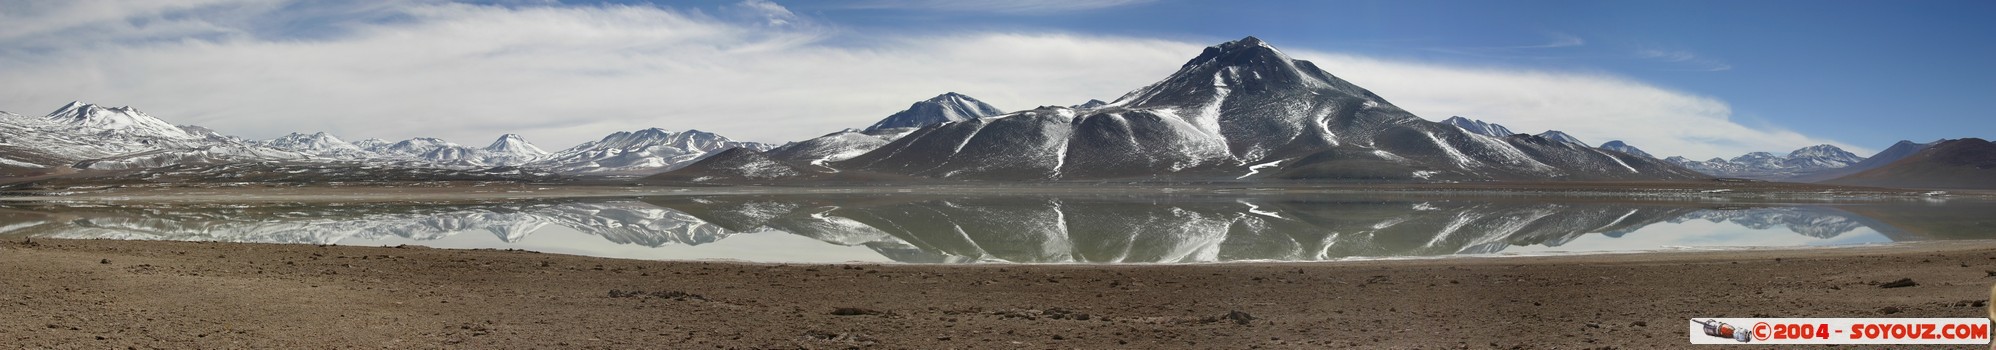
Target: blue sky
<point x="1694" y="78"/>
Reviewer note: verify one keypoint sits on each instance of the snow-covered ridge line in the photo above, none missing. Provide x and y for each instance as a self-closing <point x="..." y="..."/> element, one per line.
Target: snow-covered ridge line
<point x="94" y="137"/>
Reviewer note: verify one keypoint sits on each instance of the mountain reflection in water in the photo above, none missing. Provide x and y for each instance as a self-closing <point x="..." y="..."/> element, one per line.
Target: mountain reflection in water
<point x="921" y="229"/>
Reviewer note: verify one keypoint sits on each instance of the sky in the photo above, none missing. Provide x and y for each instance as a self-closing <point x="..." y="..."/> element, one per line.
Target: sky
<point x="1700" y="79"/>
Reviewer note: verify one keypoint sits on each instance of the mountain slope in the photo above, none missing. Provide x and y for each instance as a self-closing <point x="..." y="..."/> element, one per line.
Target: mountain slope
<point x="1619" y="146"/>
<point x="1898" y="151"/>
<point x="1478" y="127"/>
<point x="1561" y="136"/>
<point x="1239" y="110"/>
<point x="1968" y="163"/>
<point x="641" y="152"/>
<point x="734" y="165"/>
<point x="1769" y="166"/>
<point x="948" y="107"/>
<point x="845" y="144"/>
<point x="89" y="136"/>
<point x="837" y="146"/>
<point x="317" y="144"/>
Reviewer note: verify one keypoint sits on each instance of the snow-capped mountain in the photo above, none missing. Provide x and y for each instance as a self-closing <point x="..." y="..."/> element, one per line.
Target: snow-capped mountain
<point x="511" y="149"/>
<point x="116" y="120"/>
<point x="1478" y="127"/>
<point x="415" y="147"/>
<point x="1897" y="151"/>
<point x="848" y="143"/>
<point x="837" y="146"/>
<point x="1619" y="146"/>
<point x="1091" y="104"/>
<point x="318" y="144"/>
<point x="1770" y="166"/>
<point x="93" y="137"/>
<point x="1240" y="110"/>
<point x="641" y="152"/>
<point x="507" y="150"/>
<point x="89" y="136"/>
<point x="1561" y="137"/>
<point x="948" y="107"/>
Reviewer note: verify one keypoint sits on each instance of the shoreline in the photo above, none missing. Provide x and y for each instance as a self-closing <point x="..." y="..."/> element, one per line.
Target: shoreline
<point x="101" y="293"/>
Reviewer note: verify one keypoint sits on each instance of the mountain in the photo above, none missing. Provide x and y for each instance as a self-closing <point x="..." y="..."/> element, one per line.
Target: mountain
<point x="1769" y="166"/>
<point x="1968" y="163"/>
<point x="837" y="146"/>
<point x="845" y="144"/>
<point x="1891" y="154"/>
<point x="507" y="150"/>
<point x="1092" y="103"/>
<point x="734" y="165"/>
<point x="948" y="107"/>
<point x="120" y="120"/>
<point x="1239" y="110"/>
<point x="1478" y="127"/>
<point x="1619" y="146"/>
<point x="90" y="136"/>
<point x="1561" y="137"/>
<point x="511" y="149"/>
<point x="642" y="152"/>
<point x="317" y="144"/>
<point x="415" y="148"/>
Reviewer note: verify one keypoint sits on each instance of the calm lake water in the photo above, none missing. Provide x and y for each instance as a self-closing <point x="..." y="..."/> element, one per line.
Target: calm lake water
<point x="1022" y="229"/>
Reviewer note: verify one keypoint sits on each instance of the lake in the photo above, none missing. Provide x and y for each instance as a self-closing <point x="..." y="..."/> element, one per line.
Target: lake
<point x="918" y="228"/>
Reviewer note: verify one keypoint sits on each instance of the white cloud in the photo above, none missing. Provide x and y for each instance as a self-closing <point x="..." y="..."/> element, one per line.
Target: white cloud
<point x="1596" y="108"/>
<point x="563" y="75"/>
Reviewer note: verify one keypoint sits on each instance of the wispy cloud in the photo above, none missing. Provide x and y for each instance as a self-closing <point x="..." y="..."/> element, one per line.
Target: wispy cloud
<point x="1683" y="60"/>
<point x="1538" y="51"/>
<point x="998" y="6"/>
<point x="768" y="12"/>
<point x="565" y="74"/>
<point x="1557" y="40"/>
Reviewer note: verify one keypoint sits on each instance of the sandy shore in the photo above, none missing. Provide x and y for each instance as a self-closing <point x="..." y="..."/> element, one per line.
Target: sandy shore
<point x="118" y="294"/>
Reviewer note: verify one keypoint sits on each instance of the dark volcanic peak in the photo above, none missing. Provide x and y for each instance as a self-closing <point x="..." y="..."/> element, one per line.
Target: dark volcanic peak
<point x="1960" y="163"/>
<point x="948" y="107"/>
<point x="1248" y="66"/>
<point x="1239" y="110"/>
<point x="1892" y="154"/>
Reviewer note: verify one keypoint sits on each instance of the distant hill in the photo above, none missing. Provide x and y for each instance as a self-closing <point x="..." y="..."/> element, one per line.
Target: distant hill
<point x="1968" y="163"/>
<point x="1891" y="154"/>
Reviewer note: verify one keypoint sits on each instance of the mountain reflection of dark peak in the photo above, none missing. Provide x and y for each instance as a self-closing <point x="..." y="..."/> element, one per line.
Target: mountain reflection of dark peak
<point x="941" y="229"/>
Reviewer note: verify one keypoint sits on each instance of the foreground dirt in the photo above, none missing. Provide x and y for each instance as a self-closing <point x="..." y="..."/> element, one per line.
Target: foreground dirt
<point x="119" y="294"/>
